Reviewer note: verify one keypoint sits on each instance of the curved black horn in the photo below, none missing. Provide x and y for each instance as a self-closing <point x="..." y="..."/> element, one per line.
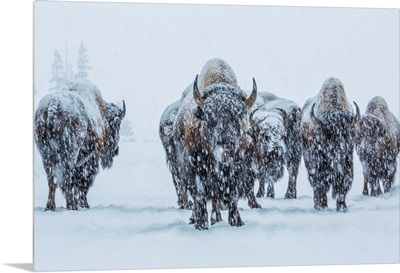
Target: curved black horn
<point x="284" y="115"/>
<point x="357" y="116"/>
<point x="123" y="109"/>
<point x="313" y="117"/>
<point x="196" y="94"/>
<point x="252" y="99"/>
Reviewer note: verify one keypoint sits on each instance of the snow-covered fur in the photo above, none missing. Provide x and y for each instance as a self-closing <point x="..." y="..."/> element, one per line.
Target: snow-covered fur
<point x="288" y="115"/>
<point x="75" y="130"/>
<point x="167" y="138"/>
<point x="327" y="136"/>
<point x="266" y="149"/>
<point x="377" y="144"/>
<point x="210" y="132"/>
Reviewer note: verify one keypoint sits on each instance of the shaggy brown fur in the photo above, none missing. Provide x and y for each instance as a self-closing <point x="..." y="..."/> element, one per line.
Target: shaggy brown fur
<point x="378" y="144"/>
<point x="75" y="130"/>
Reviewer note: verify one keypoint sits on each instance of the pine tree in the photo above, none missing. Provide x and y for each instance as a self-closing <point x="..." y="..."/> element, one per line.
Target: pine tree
<point x="58" y="73"/>
<point x="83" y="63"/>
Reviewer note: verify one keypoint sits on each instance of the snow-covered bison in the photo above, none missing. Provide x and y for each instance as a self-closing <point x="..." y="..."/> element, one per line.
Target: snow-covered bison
<point x="75" y="130"/>
<point x="172" y="153"/>
<point x="274" y="129"/>
<point x="377" y="143"/>
<point x="327" y="136"/>
<point x="265" y="152"/>
<point x="210" y="131"/>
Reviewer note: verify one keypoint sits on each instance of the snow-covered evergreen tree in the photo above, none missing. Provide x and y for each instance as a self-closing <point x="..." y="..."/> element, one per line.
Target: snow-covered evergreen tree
<point x="58" y="72"/>
<point x="83" y="63"/>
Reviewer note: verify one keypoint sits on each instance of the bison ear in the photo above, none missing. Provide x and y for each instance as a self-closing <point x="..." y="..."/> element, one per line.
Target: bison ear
<point x="198" y="112"/>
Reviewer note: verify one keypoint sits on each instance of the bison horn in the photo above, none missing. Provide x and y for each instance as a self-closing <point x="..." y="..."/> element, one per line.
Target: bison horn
<point x="196" y="94"/>
<point x="284" y="115"/>
<point x="252" y="99"/>
<point x="357" y="116"/>
<point x="313" y="117"/>
<point x="123" y="112"/>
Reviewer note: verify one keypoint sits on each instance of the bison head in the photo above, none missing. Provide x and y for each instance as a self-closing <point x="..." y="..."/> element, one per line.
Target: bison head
<point x="335" y="129"/>
<point x="113" y="118"/>
<point x="268" y="131"/>
<point x="222" y="109"/>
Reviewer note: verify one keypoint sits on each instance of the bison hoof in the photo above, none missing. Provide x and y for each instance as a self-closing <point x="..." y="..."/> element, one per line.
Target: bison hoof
<point x="72" y="207"/>
<point x="290" y="195"/>
<point x="185" y="205"/>
<point x="84" y="205"/>
<point x="341" y="206"/>
<point x="260" y="194"/>
<point x="375" y="193"/>
<point x="50" y="207"/>
<point x="215" y="220"/>
<point x="255" y="205"/>
<point x="236" y="222"/>
<point x="318" y="207"/>
<point x="271" y="195"/>
<point x="365" y="192"/>
<point x="200" y="227"/>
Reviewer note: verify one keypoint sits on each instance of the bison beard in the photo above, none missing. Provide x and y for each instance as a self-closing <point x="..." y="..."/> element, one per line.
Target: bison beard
<point x="74" y="129"/>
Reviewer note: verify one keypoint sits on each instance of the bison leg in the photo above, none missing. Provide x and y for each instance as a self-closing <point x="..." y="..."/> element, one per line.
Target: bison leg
<point x="271" y="190"/>
<point x="291" y="192"/>
<point x="183" y="199"/>
<point x="215" y="212"/>
<point x="261" y="189"/>
<point x="389" y="180"/>
<point x="318" y="198"/>
<point x="200" y="216"/>
<point x="70" y="191"/>
<point x="252" y="201"/>
<point x="83" y="203"/>
<point x="51" y="204"/>
<point x="234" y="217"/>
<point x="341" y="203"/>
<point x="251" y="198"/>
<point x="375" y="187"/>
<point x="365" y="189"/>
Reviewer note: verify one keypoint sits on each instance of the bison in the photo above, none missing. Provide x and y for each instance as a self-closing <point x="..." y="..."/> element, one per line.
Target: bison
<point x="265" y="152"/>
<point x="279" y="120"/>
<point x="327" y="137"/>
<point x="210" y="132"/>
<point x="75" y="130"/>
<point x="172" y="154"/>
<point x="377" y="143"/>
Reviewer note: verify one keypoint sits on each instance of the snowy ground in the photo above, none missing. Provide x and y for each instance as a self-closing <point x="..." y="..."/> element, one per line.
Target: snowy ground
<point x="134" y="222"/>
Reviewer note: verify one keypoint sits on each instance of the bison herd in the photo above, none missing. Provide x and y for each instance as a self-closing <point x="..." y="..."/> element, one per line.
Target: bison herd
<point x="218" y="141"/>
